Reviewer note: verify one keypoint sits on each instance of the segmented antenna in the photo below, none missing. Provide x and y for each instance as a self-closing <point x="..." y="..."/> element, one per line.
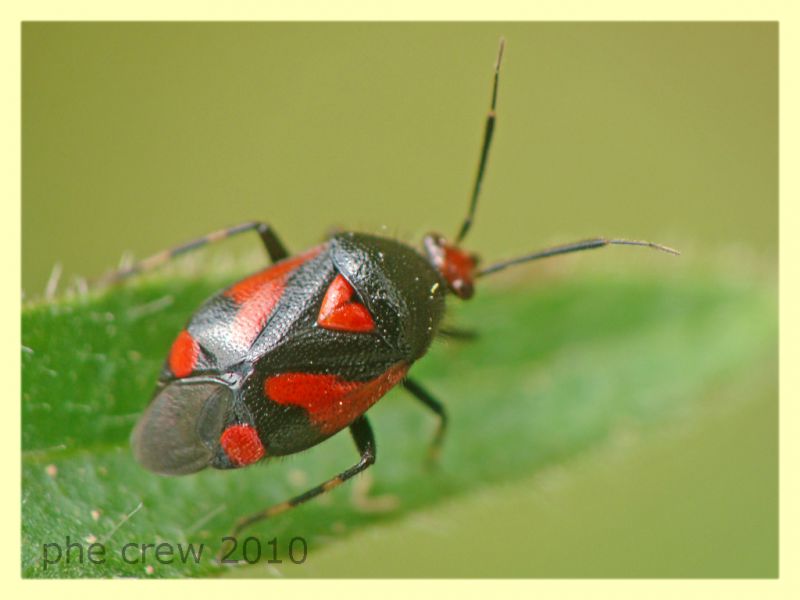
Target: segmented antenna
<point x="567" y="248"/>
<point x="491" y="118"/>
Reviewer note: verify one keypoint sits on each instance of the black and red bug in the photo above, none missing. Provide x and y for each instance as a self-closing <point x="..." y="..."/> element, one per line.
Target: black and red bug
<point x="287" y="357"/>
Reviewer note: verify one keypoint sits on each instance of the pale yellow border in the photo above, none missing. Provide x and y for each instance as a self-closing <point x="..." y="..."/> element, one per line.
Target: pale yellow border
<point x="786" y="11"/>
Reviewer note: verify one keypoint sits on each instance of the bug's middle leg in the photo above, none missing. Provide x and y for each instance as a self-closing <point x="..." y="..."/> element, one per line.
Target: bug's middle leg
<point x="365" y="443"/>
<point x="437" y="407"/>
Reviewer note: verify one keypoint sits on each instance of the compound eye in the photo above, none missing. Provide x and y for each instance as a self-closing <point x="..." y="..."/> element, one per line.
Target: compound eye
<point x="341" y="310"/>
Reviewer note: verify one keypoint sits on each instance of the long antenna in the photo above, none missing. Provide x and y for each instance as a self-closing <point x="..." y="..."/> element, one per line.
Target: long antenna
<point x="567" y="248"/>
<point x="491" y="117"/>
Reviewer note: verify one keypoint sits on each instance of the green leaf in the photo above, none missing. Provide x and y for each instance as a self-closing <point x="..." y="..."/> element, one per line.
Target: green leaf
<point x="558" y="369"/>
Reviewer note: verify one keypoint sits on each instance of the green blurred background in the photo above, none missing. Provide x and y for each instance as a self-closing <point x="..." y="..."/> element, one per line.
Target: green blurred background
<point x="144" y="135"/>
<point x="139" y="136"/>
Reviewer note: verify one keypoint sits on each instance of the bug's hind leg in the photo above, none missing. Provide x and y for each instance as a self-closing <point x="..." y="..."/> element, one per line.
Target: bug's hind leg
<point x="365" y="443"/>
<point x="434" y="450"/>
<point x="275" y="248"/>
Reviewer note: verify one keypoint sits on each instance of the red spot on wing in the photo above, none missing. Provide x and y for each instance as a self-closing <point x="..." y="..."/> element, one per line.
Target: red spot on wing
<point x="331" y="402"/>
<point x="183" y="354"/>
<point x="258" y="294"/>
<point x="242" y="445"/>
<point x="340" y="312"/>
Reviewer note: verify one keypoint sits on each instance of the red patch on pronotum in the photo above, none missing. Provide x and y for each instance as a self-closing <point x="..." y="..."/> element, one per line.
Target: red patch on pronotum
<point x="258" y="294"/>
<point x="183" y="355"/>
<point x="331" y="402"/>
<point x="242" y="445"/>
<point x="340" y="312"/>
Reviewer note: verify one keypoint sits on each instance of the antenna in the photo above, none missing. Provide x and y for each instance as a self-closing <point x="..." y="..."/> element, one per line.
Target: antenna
<point x="491" y="118"/>
<point x="567" y="248"/>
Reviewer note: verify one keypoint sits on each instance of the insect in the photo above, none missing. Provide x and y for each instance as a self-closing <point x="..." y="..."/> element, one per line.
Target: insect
<point x="285" y="358"/>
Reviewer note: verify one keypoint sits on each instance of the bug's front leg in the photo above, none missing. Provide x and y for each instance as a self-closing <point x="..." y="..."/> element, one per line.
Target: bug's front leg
<point x="365" y="443"/>
<point x="458" y="333"/>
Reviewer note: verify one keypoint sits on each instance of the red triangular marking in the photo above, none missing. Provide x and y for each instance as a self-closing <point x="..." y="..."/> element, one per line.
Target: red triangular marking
<point x="340" y="312"/>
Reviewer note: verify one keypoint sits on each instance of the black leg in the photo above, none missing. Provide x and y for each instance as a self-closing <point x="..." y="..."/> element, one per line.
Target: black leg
<point x="365" y="443"/>
<point x="437" y="407"/>
<point x="457" y="333"/>
<point x="275" y="248"/>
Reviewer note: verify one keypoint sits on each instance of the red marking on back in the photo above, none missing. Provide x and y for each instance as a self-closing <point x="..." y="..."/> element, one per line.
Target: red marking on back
<point x="332" y="402"/>
<point x="340" y="312"/>
<point x="183" y="354"/>
<point x="258" y="294"/>
<point x="242" y="445"/>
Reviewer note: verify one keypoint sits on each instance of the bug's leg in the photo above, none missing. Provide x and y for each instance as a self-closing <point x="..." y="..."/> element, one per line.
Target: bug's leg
<point x="458" y="333"/>
<point x="275" y="248"/>
<point x="365" y="443"/>
<point x="423" y="396"/>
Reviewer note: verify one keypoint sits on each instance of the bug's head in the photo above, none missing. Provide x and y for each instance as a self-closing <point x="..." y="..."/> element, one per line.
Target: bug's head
<point x="460" y="268"/>
<point x="456" y="265"/>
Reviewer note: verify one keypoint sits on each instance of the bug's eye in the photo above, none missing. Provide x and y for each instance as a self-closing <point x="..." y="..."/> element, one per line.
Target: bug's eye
<point x="341" y="311"/>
